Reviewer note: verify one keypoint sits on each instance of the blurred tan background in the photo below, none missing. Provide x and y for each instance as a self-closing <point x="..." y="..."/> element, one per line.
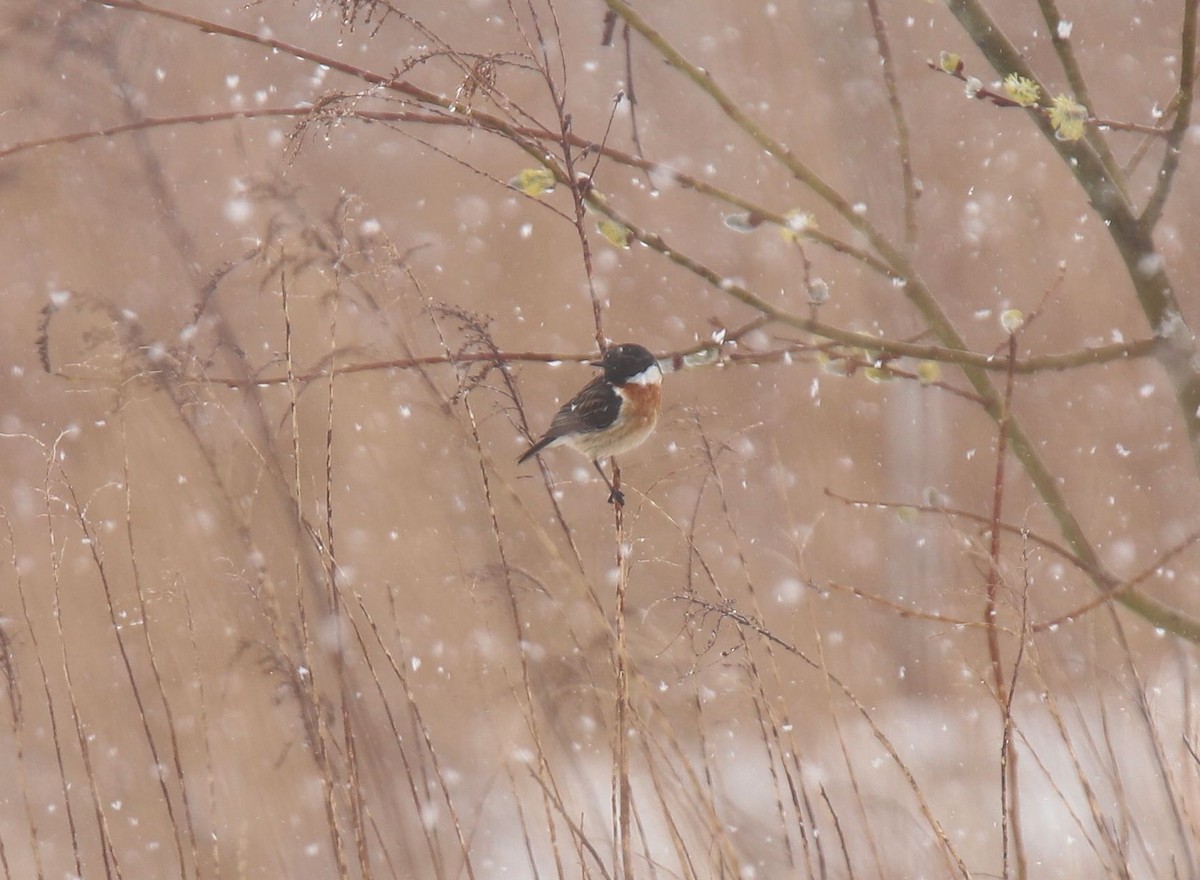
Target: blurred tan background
<point x="179" y="684"/>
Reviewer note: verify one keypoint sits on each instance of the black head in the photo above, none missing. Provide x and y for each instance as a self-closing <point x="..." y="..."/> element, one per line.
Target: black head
<point x="622" y="362"/>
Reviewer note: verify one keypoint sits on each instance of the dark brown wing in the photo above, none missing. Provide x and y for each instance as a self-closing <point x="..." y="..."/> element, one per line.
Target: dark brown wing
<point x="592" y="409"/>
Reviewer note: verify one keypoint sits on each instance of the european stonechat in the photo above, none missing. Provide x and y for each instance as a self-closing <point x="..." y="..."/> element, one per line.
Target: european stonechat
<point x="612" y="414"/>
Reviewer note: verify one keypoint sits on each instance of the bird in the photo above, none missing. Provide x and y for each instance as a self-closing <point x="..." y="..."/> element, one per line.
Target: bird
<point x="612" y="414"/>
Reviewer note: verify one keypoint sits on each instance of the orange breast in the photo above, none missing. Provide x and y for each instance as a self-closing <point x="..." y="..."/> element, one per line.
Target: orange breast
<point x="643" y="402"/>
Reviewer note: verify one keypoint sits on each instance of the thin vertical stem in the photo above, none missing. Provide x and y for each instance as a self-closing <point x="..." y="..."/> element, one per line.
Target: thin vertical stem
<point x="624" y="794"/>
<point x="1010" y="820"/>
<point x="902" y="135"/>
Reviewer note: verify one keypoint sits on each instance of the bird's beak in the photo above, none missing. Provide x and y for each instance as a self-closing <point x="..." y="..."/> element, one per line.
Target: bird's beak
<point x="595" y="363"/>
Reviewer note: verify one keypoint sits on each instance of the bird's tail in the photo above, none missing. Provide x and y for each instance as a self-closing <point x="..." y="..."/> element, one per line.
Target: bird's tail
<point x="534" y="449"/>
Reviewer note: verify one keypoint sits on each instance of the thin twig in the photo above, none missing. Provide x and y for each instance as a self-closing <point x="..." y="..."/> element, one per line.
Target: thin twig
<point x="1009" y="811"/>
<point x="903" y="139"/>
<point x="623" y="794"/>
<point x="1152" y="213"/>
<point x="1104" y="598"/>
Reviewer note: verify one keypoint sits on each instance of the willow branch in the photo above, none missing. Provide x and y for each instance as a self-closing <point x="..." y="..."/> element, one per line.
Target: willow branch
<point x="1070" y="65"/>
<point x="1133" y="238"/>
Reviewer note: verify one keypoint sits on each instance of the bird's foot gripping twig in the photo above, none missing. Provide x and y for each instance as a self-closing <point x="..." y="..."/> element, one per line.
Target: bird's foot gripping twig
<point x="615" y="495"/>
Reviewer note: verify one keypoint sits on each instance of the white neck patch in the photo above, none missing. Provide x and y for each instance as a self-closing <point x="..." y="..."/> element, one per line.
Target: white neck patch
<point x="652" y="375"/>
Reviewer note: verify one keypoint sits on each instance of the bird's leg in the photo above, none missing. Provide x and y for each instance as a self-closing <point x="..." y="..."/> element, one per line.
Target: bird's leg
<point x="615" y="495"/>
